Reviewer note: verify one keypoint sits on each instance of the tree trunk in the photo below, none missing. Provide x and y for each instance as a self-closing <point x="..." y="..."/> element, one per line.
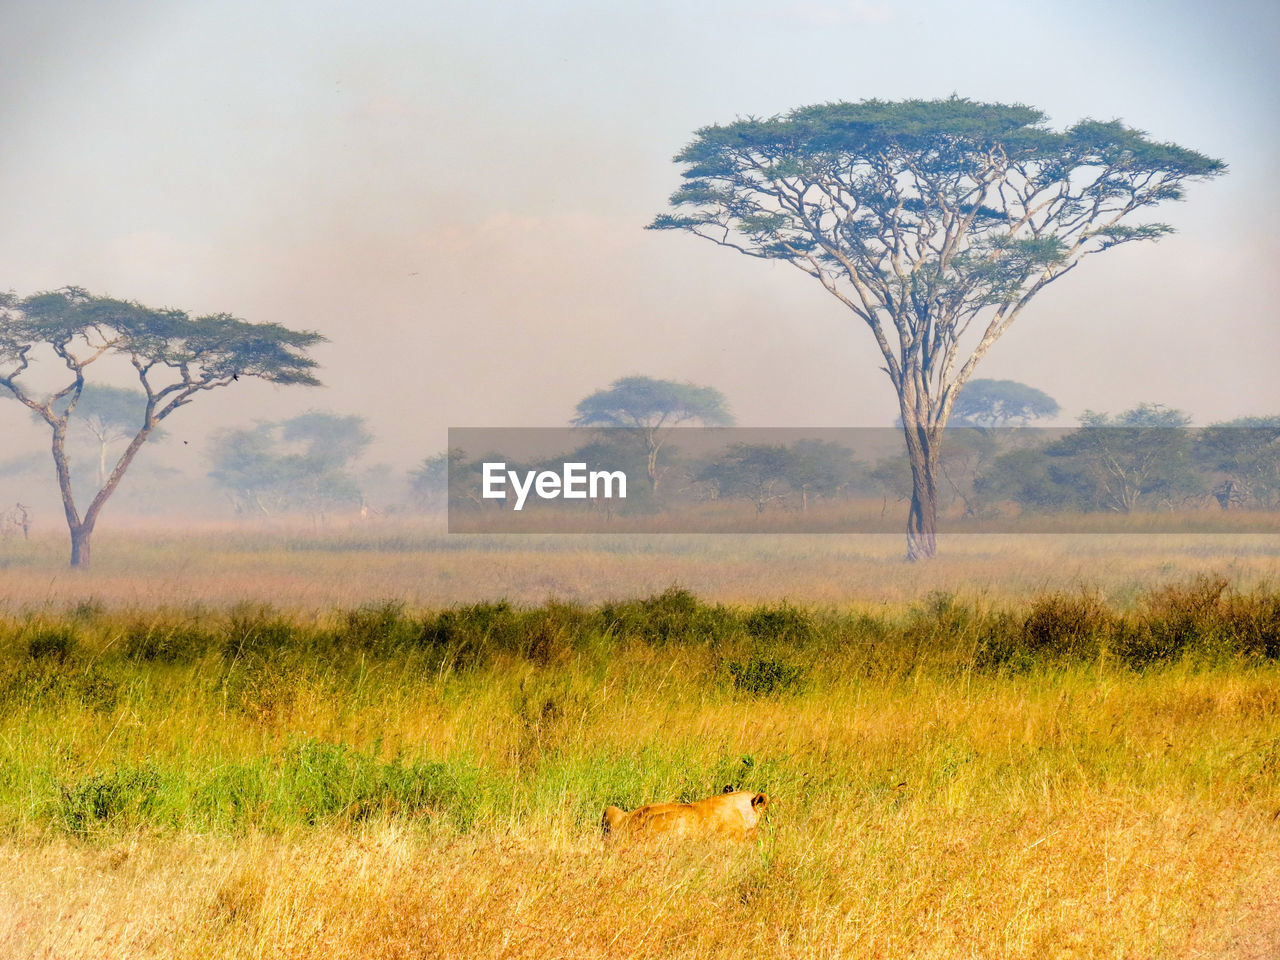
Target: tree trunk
<point x="80" y="530"/>
<point x="80" y="545"/>
<point x="82" y="527"/>
<point x="651" y="466"/>
<point x="922" y="521"/>
<point x="922" y="526"/>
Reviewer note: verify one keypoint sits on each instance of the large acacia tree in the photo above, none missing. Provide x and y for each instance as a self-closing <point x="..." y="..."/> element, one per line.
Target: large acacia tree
<point x="934" y="221"/>
<point x="175" y="358"/>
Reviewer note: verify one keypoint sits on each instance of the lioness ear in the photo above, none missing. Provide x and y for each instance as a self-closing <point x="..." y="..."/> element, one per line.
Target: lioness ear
<point x="760" y="800"/>
<point x="728" y="788"/>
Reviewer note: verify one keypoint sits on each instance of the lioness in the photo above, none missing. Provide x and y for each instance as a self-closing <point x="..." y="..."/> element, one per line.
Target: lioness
<point x="733" y="813"/>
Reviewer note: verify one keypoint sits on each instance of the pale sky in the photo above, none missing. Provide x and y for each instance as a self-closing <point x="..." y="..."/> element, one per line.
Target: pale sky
<point x="454" y="194"/>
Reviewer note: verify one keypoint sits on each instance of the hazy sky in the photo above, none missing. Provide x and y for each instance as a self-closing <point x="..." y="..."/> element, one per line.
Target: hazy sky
<point x="454" y="194"/>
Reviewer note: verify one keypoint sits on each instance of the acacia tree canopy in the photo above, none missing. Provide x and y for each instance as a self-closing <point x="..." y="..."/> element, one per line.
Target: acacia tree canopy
<point x="934" y="221"/>
<point x="1144" y="452"/>
<point x="175" y="358"/>
<point x="997" y="403"/>
<point x="648" y="403"/>
<point x="652" y="407"/>
<point x="1119" y="463"/>
<point x="750" y="471"/>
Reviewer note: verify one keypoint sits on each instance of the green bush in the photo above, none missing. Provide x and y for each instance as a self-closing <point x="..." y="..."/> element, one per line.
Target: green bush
<point x="378" y="628"/>
<point x="51" y="643"/>
<point x="765" y="676"/>
<point x="1175" y="620"/>
<point x="783" y="624"/>
<point x="469" y="635"/>
<point x="673" y="616"/>
<point x="123" y="795"/>
<point x="1253" y="624"/>
<point x="261" y="634"/>
<point x="160" y="642"/>
<point x="1067" y="625"/>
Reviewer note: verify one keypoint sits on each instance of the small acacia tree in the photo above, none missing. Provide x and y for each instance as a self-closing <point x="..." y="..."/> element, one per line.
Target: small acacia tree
<point x="935" y="222"/>
<point x="750" y="471"/>
<point x="991" y="404"/>
<point x="304" y="463"/>
<point x="175" y="358"/>
<point x="819" y="467"/>
<point x="1121" y="462"/>
<point x="1246" y="451"/>
<point x="108" y="415"/>
<point x="652" y="407"/>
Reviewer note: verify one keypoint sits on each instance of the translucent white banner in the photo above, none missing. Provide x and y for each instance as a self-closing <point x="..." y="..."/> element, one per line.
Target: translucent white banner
<point x="777" y="480"/>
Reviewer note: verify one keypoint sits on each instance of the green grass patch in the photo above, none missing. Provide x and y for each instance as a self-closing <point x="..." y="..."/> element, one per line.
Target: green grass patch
<point x="491" y="714"/>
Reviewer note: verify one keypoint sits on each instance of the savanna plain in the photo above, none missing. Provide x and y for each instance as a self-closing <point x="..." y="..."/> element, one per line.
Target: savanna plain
<point x="382" y="741"/>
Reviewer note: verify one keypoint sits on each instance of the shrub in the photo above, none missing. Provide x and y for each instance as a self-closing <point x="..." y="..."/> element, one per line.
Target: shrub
<point x="259" y="634"/>
<point x="551" y="633"/>
<point x="378" y="628"/>
<point x="1254" y="624"/>
<point x="1067" y="625"/>
<point x="51" y="643"/>
<point x="765" y="676"/>
<point x="159" y="642"/>
<point x="783" y="623"/>
<point x="1059" y="627"/>
<point x="675" y="615"/>
<point x="469" y="635"/>
<point x="124" y="794"/>
<point x="1001" y="643"/>
<point x="938" y="619"/>
<point x="1175" y="620"/>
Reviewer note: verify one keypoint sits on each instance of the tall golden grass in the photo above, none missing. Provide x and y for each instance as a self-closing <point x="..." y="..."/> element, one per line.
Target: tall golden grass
<point x="356" y="784"/>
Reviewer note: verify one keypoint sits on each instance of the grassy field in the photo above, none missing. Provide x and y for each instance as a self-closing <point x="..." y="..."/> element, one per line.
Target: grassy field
<point x="309" y="569"/>
<point x="1008" y="765"/>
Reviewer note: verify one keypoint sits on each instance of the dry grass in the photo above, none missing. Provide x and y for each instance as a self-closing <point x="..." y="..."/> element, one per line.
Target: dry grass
<point x="1084" y="876"/>
<point x="858" y="516"/>
<point x="344" y="566"/>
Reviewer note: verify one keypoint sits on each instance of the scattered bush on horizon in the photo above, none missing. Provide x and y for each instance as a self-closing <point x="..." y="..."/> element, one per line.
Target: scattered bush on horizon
<point x="1204" y="616"/>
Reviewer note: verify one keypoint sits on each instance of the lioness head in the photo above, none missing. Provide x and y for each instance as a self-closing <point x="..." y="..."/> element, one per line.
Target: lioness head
<point x="613" y="818"/>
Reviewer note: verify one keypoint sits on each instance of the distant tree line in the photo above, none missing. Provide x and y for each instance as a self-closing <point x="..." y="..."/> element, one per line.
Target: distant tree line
<point x="1146" y="458"/>
<point x="1142" y="459"/>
